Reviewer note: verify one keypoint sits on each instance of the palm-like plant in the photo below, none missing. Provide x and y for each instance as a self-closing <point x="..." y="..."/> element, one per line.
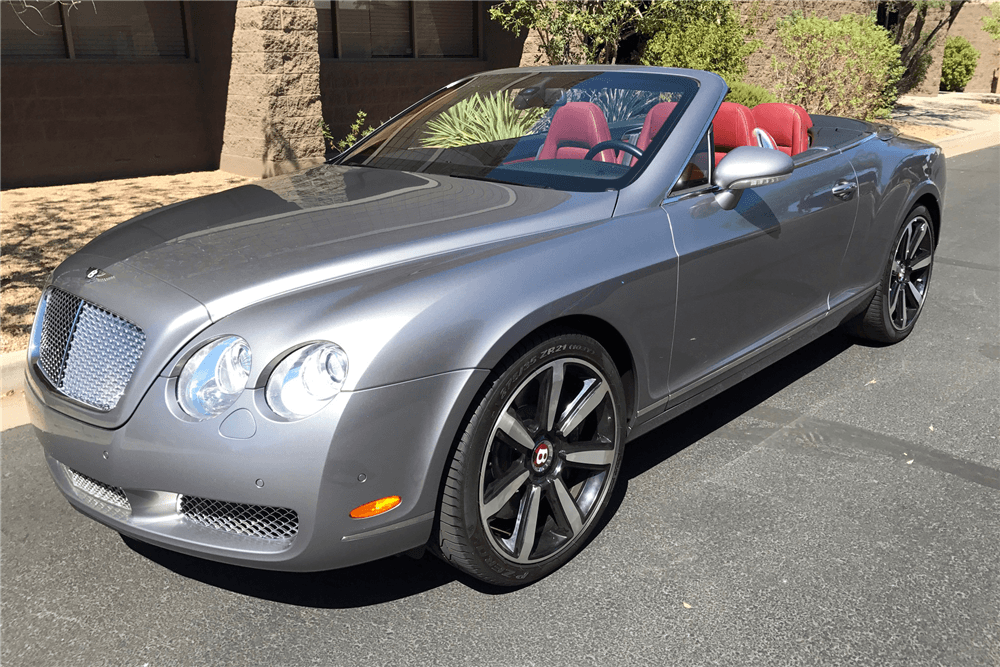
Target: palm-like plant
<point x="479" y="119"/>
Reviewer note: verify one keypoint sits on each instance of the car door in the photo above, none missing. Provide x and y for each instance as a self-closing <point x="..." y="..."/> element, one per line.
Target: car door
<point x="749" y="275"/>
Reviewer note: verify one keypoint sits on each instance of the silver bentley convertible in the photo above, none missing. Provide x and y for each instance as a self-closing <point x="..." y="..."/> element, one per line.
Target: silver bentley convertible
<point x="444" y="337"/>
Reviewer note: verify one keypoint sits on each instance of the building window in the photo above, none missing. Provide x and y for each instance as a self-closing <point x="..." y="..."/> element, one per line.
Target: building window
<point x="31" y="30"/>
<point x="116" y="30"/>
<point x="391" y="29"/>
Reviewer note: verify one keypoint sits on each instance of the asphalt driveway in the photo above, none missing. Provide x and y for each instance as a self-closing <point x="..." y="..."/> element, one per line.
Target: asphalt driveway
<point x="842" y="507"/>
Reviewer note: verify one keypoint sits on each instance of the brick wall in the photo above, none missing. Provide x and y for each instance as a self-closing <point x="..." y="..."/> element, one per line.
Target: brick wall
<point x="72" y="121"/>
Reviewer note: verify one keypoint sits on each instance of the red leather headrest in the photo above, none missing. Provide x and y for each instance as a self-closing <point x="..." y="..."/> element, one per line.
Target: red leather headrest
<point x="655" y="119"/>
<point x="577" y="124"/>
<point x="733" y="126"/>
<point x="787" y="123"/>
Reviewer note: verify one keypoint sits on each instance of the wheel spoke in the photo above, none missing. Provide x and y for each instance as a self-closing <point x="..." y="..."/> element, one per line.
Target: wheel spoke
<point x="502" y="490"/>
<point x="917" y="296"/>
<point x="902" y="304"/>
<point x="527" y="522"/>
<point x="549" y="392"/>
<point x="512" y="426"/>
<point x="922" y="263"/>
<point x="914" y="245"/>
<point x="566" y="506"/>
<point x="894" y="300"/>
<point x="590" y="454"/>
<point x="904" y="244"/>
<point x="586" y="401"/>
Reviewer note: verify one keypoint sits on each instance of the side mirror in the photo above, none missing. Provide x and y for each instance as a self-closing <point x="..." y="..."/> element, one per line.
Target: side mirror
<point x="748" y="167"/>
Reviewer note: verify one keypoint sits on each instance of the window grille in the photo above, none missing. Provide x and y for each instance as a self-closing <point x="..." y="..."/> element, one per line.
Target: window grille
<point x="31" y="30"/>
<point x="128" y="30"/>
<point x="392" y="29"/>
<point x="116" y="30"/>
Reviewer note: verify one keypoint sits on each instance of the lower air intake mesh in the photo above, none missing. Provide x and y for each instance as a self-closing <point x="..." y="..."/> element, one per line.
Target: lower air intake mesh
<point x="269" y="523"/>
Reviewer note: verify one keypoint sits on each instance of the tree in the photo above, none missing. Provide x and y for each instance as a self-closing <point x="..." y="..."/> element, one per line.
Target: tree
<point x="704" y="35"/>
<point x="28" y="11"/>
<point x="991" y="23"/>
<point x="587" y="31"/>
<point x="916" y="30"/>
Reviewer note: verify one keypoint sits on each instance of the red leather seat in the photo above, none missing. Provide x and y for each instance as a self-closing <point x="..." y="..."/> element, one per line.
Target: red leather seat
<point x="788" y="123"/>
<point x="733" y="126"/>
<point x="575" y="129"/>
<point x="655" y="119"/>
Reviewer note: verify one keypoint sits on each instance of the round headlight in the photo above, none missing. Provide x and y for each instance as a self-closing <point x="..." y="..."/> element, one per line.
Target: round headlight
<point x="214" y="377"/>
<point x="306" y="380"/>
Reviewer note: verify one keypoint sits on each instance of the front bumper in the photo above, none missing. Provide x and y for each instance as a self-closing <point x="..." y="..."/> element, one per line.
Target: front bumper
<point x="365" y="445"/>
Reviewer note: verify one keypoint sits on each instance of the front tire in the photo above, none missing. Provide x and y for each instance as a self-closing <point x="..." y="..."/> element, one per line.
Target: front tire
<point x="901" y="293"/>
<point x="533" y="470"/>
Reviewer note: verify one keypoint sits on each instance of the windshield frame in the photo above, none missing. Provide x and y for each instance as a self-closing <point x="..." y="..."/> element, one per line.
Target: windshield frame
<point x="601" y="179"/>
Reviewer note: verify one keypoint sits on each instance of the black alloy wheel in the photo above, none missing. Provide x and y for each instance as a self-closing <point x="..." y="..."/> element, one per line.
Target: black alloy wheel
<point x="902" y="291"/>
<point x="534" y="468"/>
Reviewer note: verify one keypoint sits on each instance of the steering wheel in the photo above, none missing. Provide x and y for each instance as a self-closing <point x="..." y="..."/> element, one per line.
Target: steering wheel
<point x="634" y="151"/>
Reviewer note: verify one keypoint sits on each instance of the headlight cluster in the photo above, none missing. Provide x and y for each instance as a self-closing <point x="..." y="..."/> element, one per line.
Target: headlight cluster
<point x="306" y="380"/>
<point x="300" y="385"/>
<point x="214" y="377"/>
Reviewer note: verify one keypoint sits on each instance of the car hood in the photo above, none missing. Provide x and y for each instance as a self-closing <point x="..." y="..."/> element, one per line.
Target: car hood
<point x="254" y="242"/>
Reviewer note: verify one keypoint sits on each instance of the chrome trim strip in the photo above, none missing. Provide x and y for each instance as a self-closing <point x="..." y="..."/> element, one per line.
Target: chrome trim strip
<point x="385" y="529"/>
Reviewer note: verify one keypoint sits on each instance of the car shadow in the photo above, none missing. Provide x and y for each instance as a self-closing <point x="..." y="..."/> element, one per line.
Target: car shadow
<point x="399" y="577"/>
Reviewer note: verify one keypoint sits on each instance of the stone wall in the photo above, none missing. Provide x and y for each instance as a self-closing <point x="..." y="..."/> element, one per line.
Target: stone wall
<point x="969" y="24"/>
<point x="274" y="109"/>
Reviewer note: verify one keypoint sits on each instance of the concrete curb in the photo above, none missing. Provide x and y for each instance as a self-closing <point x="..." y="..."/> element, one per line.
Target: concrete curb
<point x="973" y="140"/>
<point x="13" y="408"/>
<point x="12" y="372"/>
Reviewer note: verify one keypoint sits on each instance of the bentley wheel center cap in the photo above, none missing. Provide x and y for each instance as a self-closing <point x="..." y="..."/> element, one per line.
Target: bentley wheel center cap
<point x="541" y="457"/>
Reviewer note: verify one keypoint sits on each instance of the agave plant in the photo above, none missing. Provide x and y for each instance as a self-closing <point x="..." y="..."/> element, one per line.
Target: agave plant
<point x="479" y="119"/>
<point x="617" y="104"/>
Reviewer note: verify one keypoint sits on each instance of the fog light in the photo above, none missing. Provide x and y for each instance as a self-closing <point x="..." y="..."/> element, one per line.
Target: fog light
<point x="375" y="507"/>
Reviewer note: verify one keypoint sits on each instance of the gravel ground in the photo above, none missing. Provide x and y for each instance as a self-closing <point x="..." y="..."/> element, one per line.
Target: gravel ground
<point x="43" y="226"/>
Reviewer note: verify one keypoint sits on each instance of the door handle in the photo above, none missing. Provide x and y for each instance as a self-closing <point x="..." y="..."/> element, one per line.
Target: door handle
<point x="844" y="189"/>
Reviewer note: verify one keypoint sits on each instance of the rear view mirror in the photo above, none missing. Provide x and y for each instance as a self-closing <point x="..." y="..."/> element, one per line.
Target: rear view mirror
<point x="538" y="96"/>
<point x="748" y="167"/>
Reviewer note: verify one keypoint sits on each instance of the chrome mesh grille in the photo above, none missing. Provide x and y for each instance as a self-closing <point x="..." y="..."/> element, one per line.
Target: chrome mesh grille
<point x="86" y="352"/>
<point x="270" y="523"/>
<point x="107" y="499"/>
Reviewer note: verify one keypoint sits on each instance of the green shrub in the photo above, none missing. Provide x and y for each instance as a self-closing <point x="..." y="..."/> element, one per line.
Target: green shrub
<point x="704" y="35"/>
<point x="991" y="23"/>
<point x="352" y="137"/>
<point x="749" y="95"/>
<point x="479" y="119"/>
<point x="847" y="67"/>
<point x="959" y="64"/>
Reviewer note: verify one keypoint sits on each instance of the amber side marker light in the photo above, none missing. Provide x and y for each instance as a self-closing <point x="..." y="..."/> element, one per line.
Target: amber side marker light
<point x="375" y="507"/>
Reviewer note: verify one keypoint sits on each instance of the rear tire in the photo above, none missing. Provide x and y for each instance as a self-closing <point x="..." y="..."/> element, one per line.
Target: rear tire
<point x="533" y="469"/>
<point x="899" y="298"/>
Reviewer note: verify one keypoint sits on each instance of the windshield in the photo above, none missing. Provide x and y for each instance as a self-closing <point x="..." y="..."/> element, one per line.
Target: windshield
<point x="578" y="131"/>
